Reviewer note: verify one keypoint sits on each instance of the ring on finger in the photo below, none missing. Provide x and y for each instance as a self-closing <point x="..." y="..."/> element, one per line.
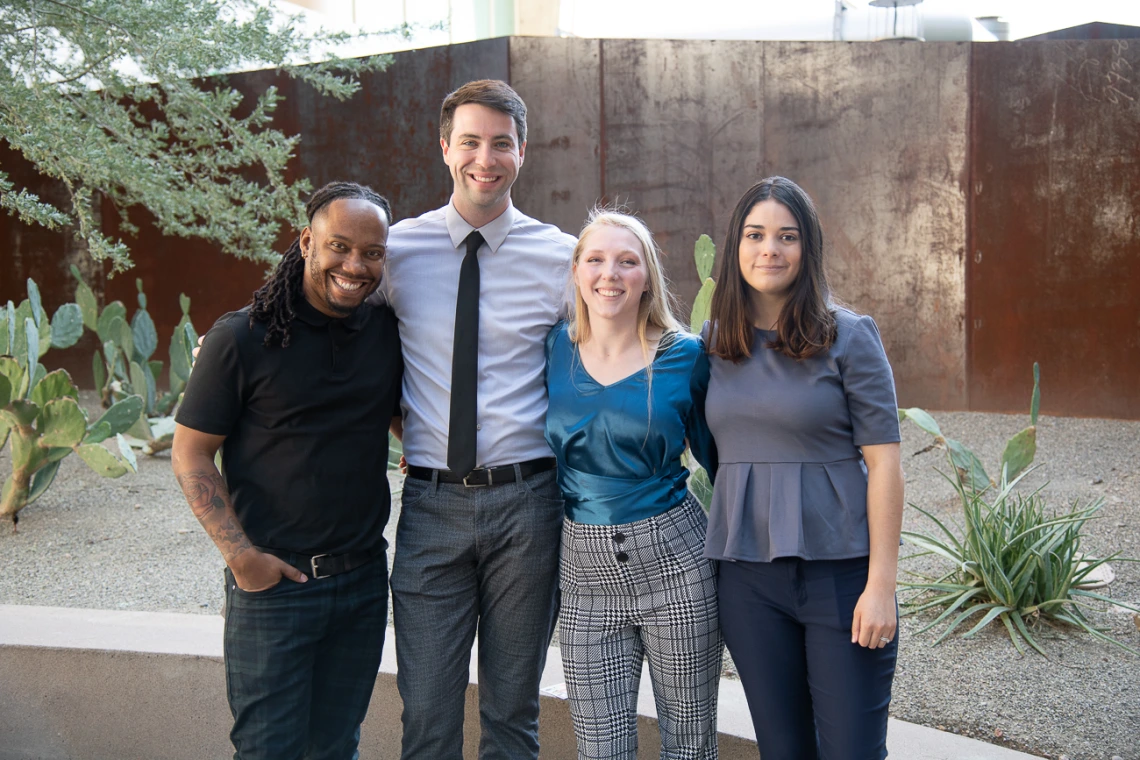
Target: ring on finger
<point x="884" y="639"/>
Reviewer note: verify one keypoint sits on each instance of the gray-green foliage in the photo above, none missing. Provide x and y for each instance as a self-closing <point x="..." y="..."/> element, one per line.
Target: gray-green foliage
<point x="704" y="255"/>
<point x="110" y="98"/>
<point x="1018" y="454"/>
<point x="39" y="410"/>
<point x="1015" y="561"/>
<point x="123" y="365"/>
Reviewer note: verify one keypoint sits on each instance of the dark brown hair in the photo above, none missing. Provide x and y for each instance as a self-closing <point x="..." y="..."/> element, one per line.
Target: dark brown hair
<point x="274" y="302"/>
<point x="492" y="93"/>
<point x="806" y="326"/>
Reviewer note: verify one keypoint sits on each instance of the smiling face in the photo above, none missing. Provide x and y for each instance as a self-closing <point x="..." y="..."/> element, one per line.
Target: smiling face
<point x="770" y="253"/>
<point x="484" y="155"/>
<point x="344" y="249"/>
<point x="610" y="274"/>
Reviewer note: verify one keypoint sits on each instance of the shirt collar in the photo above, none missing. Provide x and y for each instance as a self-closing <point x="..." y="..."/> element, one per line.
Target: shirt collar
<point x="308" y="314"/>
<point x="494" y="232"/>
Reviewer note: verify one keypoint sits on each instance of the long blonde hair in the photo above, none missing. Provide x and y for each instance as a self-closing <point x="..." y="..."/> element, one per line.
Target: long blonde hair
<point x="657" y="304"/>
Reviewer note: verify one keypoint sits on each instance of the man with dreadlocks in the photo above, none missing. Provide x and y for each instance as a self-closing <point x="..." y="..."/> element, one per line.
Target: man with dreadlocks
<point x="476" y="285"/>
<point x="301" y="386"/>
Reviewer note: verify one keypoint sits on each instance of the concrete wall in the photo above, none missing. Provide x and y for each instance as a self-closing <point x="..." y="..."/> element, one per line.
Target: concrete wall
<point x="81" y="684"/>
<point x="107" y="685"/>
<point x="979" y="200"/>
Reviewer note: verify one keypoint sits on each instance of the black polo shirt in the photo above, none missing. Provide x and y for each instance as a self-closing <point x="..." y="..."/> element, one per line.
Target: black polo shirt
<point x="306" y="450"/>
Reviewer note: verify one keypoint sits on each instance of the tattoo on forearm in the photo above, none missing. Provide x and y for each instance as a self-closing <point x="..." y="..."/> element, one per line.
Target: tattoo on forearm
<point x="210" y="502"/>
<point x="230" y="538"/>
<point x="202" y="492"/>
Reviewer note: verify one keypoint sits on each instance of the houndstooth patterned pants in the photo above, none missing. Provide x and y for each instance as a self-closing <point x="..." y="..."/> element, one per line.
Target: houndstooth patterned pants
<point x="641" y="591"/>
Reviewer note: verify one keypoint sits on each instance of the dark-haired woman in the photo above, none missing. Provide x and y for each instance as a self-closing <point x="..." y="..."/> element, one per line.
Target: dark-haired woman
<point x="807" y="507"/>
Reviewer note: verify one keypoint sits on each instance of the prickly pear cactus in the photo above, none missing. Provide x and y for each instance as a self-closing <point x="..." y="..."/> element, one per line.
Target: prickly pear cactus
<point x="45" y="425"/>
<point x="39" y="410"/>
<point x="704" y="255"/>
<point x="123" y="366"/>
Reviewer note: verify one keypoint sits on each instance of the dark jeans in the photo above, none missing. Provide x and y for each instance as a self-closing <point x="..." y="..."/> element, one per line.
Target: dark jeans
<point x="301" y="663"/>
<point x="472" y="559"/>
<point x="812" y="693"/>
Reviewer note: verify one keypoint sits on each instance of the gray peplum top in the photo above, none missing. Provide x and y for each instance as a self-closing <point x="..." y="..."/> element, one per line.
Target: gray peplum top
<point x="791" y="480"/>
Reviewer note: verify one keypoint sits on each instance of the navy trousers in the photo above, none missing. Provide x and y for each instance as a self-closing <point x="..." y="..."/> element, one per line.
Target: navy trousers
<point x="301" y="663"/>
<point x="813" y="694"/>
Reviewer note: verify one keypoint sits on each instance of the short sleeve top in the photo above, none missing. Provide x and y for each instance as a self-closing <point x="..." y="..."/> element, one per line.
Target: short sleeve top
<point x="791" y="480"/>
<point x="306" y="425"/>
<point x="619" y="446"/>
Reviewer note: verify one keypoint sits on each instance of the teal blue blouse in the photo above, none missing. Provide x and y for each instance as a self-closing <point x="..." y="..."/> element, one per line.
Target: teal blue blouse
<point x="619" y="446"/>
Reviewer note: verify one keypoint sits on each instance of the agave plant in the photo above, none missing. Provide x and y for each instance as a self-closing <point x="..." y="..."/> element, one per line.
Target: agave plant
<point x="1017" y="562"/>
<point x="1017" y="456"/>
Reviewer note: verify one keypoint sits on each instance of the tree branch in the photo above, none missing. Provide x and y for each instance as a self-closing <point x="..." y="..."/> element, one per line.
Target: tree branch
<point x="89" y="14"/>
<point x="83" y="73"/>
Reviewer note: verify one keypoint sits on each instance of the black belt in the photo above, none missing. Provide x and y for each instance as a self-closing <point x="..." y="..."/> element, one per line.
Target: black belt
<point x="325" y="565"/>
<point x="485" y="476"/>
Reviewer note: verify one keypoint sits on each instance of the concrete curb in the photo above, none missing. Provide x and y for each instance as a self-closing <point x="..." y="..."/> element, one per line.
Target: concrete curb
<point x="95" y="684"/>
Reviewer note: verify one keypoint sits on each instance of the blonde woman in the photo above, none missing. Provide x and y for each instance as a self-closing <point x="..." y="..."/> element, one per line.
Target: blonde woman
<point x="627" y="385"/>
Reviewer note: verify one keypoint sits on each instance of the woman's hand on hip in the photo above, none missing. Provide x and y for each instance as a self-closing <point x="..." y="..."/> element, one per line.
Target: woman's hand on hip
<point x="876" y="618"/>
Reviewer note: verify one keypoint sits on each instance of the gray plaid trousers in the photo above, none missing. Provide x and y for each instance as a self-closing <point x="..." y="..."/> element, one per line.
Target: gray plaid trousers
<point x="639" y="591"/>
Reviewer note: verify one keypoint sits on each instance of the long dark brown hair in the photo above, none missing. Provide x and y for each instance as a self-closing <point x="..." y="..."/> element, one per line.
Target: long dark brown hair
<point x="806" y="326"/>
<point x="274" y="301"/>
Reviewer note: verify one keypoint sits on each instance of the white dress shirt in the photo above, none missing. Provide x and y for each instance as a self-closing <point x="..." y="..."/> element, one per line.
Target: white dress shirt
<point x="523" y="284"/>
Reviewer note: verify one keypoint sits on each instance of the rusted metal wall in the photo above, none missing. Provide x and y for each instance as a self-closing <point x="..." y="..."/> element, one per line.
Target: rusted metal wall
<point x="678" y="130"/>
<point x="980" y="201"/>
<point x="876" y="133"/>
<point x="1054" y="266"/>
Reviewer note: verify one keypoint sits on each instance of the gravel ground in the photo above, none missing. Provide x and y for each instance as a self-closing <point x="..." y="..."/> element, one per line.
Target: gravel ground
<point x="133" y="544"/>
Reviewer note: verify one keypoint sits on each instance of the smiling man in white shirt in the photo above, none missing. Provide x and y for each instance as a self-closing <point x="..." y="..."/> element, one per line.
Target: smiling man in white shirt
<point x="476" y="287"/>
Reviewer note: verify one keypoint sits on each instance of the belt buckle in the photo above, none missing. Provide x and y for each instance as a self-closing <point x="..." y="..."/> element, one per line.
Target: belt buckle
<point x="313" y="566"/>
<point x="490" y="478"/>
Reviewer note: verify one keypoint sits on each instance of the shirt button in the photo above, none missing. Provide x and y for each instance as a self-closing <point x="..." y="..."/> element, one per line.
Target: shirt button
<point x="622" y="557"/>
<point x="619" y="538"/>
<point x="479" y="427"/>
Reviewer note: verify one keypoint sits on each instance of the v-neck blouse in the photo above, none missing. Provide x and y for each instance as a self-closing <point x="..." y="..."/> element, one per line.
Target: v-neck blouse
<point x="619" y="445"/>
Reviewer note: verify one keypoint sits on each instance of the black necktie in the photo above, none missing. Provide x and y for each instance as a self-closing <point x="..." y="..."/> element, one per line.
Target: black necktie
<point x="465" y="363"/>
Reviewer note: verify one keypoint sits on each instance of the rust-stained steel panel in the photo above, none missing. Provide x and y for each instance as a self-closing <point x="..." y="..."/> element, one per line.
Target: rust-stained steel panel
<point x="46" y="256"/>
<point x="876" y="133"/>
<point x="681" y="138"/>
<point x="561" y="177"/>
<point x="387" y="136"/>
<point x="1054" y="272"/>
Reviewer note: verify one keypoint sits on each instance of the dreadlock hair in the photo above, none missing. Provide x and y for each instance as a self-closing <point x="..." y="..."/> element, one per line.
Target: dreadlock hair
<point x="274" y="302"/>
